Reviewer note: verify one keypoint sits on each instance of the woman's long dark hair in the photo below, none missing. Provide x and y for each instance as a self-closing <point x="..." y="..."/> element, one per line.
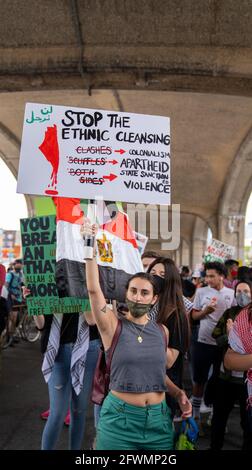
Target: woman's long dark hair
<point x="170" y="300"/>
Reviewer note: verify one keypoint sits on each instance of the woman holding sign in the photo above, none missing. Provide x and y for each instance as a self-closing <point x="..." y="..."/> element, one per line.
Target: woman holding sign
<point x="134" y="415"/>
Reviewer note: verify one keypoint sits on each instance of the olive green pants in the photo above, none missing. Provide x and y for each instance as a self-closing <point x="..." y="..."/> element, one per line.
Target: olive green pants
<point x="127" y="427"/>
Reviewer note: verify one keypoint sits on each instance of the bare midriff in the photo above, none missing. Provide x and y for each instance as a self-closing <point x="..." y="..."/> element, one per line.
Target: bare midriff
<point x="140" y="399"/>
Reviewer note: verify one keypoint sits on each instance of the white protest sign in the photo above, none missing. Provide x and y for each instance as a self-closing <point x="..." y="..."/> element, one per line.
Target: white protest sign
<point x="219" y="251"/>
<point x="88" y="153"/>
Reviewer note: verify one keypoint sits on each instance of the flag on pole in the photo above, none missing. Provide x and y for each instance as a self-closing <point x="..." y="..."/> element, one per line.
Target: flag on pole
<point x="118" y="255"/>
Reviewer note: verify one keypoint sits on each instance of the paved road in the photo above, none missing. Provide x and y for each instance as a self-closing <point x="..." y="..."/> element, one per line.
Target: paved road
<point x="23" y="395"/>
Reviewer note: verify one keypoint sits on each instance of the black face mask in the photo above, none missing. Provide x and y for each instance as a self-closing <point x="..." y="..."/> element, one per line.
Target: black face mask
<point x="159" y="283"/>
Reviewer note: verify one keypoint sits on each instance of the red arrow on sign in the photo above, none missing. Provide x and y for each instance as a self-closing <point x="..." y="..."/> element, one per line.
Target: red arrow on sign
<point x="110" y="177"/>
<point x="121" y="151"/>
<point x="114" y="162"/>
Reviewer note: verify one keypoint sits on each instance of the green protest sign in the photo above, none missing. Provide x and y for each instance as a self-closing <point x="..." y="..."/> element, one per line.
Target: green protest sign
<point x="218" y="251"/>
<point x="43" y="205"/>
<point x="38" y="236"/>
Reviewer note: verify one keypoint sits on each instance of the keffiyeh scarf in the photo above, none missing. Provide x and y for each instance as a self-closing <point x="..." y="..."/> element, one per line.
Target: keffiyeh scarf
<point x="240" y="340"/>
<point x="79" y="352"/>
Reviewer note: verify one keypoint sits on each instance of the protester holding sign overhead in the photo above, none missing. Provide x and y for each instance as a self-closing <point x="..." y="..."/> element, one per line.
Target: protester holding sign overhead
<point x="134" y="415"/>
<point x="69" y="345"/>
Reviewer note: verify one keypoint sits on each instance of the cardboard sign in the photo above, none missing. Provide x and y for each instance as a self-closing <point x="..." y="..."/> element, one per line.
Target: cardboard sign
<point x="39" y="248"/>
<point x="87" y="153"/>
<point x="219" y="251"/>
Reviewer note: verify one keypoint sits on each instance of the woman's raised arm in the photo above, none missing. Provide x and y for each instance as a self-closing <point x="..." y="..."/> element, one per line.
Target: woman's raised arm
<point x="104" y="317"/>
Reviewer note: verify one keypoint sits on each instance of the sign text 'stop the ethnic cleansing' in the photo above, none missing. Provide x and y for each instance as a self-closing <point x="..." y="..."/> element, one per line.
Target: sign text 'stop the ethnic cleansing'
<point x="75" y="152"/>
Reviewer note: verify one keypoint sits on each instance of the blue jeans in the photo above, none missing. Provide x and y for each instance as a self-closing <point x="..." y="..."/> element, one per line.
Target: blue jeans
<point x="97" y="410"/>
<point x="62" y="395"/>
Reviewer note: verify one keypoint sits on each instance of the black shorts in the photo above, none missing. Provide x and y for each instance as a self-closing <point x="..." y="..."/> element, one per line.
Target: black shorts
<point x="204" y="355"/>
<point x="12" y="304"/>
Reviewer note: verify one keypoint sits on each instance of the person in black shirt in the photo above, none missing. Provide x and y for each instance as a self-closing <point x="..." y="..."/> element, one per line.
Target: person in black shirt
<point x="170" y="311"/>
<point x="230" y="386"/>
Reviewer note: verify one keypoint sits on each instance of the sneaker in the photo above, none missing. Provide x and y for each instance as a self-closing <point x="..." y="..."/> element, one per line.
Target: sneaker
<point x="67" y="419"/>
<point x="205" y="409"/>
<point x="93" y="445"/>
<point x="45" y="414"/>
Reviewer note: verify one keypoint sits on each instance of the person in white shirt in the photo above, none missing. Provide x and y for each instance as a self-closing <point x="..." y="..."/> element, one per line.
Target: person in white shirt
<point x="209" y="305"/>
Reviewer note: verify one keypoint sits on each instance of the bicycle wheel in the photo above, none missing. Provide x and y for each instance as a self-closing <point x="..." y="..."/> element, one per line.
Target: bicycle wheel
<point x="5" y="339"/>
<point x="29" y="329"/>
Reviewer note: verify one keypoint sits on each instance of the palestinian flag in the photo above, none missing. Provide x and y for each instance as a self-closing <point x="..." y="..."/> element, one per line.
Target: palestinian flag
<point x="118" y="255"/>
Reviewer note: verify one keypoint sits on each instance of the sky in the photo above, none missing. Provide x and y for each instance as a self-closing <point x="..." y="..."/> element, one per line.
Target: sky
<point x="13" y="205"/>
<point x="248" y="218"/>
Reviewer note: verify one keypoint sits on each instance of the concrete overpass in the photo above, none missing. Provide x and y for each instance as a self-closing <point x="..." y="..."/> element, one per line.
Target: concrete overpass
<point x="187" y="59"/>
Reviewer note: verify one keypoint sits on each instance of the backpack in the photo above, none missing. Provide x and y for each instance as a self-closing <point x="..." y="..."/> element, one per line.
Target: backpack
<point x="102" y="371"/>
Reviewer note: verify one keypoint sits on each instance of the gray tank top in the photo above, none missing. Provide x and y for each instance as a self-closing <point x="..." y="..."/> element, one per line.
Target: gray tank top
<point x="139" y="367"/>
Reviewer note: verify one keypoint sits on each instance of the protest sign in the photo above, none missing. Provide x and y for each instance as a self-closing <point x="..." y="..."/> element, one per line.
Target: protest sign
<point x="85" y="153"/>
<point x="218" y="251"/>
<point x="38" y="236"/>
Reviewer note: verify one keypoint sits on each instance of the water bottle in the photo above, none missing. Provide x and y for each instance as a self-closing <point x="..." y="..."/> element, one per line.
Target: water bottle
<point x="89" y="240"/>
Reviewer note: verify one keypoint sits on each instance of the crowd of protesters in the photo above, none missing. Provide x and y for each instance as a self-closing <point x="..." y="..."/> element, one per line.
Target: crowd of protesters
<point x="11" y="297"/>
<point x="197" y="308"/>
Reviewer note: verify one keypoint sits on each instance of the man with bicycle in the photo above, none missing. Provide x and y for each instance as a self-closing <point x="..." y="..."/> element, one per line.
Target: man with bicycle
<point x="3" y="302"/>
<point x="14" y="282"/>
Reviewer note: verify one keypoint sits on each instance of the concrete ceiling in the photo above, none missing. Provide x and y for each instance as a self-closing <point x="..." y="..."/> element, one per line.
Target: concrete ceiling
<point x="190" y="60"/>
<point x="200" y="45"/>
<point x="207" y="131"/>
